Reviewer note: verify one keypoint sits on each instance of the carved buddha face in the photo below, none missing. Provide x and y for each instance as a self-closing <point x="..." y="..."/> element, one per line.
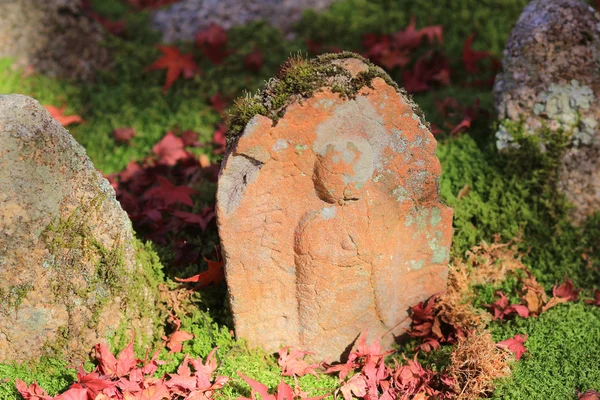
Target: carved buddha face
<point x="343" y="170"/>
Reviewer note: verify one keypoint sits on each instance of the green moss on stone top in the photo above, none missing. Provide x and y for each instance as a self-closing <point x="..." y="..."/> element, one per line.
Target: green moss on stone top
<point x="300" y="79"/>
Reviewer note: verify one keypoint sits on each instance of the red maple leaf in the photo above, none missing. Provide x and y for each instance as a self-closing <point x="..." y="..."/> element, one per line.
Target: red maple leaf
<point x="31" y="392"/>
<point x="411" y="38"/>
<point x="212" y="42"/>
<point x="596" y="300"/>
<point x="292" y="363"/>
<point x="213" y="275"/>
<point x="566" y="290"/>
<point x="502" y="309"/>
<point x="253" y="61"/>
<point x="176" y="64"/>
<point x="201" y="219"/>
<point x="589" y="395"/>
<point x="423" y="317"/>
<point x="198" y="384"/>
<point x="218" y="102"/>
<point x="447" y="106"/>
<point x="73" y="394"/>
<point x="190" y="138"/>
<point x="430" y="68"/>
<point x="514" y="344"/>
<point x="170" y="149"/>
<point x="470" y="114"/>
<point x="169" y="194"/>
<point x="117" y="367"/>
<point x="314" y="46"/>
<point x="174" y="342"/>
<point x="123" y="135"/>
<point x="356" y="386"/>
<point x="470" y="57"/>
<point x="58" y="114"/>
<point x="284" y="391"/>
<point x="93" y="382"/>
<point x="115" y="27"/>
<point x="436" y="130"/>
<point x="382" y="51"/>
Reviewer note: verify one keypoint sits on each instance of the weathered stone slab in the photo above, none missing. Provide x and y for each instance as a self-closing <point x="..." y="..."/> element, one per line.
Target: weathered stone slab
<point x="551" y="80"/>
<point x="330" y="220"/>
<point x="55" y="37"/>
<point x="68" y="274"/>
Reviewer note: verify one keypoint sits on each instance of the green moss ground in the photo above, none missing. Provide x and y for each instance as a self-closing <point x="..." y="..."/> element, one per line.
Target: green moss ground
<point x="566" y="339"/>
<point x="504" y="198"/>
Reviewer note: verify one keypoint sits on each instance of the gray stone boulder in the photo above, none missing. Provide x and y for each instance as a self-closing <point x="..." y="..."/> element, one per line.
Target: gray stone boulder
<point x="55" y="37"/>
<point x="550" y="83"/>
<point x="69" y="276"/>
<point x="184" y="19"/>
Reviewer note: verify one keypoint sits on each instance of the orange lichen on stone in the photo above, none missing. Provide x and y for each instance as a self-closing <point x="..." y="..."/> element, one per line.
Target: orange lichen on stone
<point x="331" y="222"/>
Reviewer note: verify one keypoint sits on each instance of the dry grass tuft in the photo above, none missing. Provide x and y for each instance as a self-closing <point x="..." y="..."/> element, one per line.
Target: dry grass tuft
<point x="484" y="264"/>
<point x="476" y="364"/>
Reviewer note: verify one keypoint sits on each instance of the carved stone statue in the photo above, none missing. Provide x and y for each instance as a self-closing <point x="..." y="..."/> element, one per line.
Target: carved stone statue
<point x="330" y="220"/>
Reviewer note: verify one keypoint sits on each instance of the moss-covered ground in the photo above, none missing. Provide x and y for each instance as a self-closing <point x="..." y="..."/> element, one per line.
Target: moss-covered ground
<point x="510" y="197"/>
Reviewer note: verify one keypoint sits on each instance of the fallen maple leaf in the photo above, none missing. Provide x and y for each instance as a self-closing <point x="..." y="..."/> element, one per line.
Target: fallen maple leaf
<point x="170" y="149"/>
<point x="411" y="38"/>
<point x="284" y="391"/>
<point x="589" y="395"/>
<point x="169" y="194"/>
<point x="218" y="102"/>
<point x="553" y="302"/>
<point x="123" y="135"/>
<point x="201" y="219"/>
<point x="93" y="383"/>
<point x="117" y="367"/>
<point x="534" y="300"/>
<point x="470" y="114"/>
<point x="31" y="392"/>
<point x="381" y="50"/>
<point x="562" y="293"/>
<point x="116" y="28"/>
<point x="190" y="138"/>
<point x="291" y="362"/>
<point x="212" y="41"/>
<point x="596" y="300"/>
<point x="73" y="394"/>
<point x="470" y="56"/>
<point x="514" y="344"/>
<point x="174" y="342"/>
<point x="356" y="386"/>
<point x="430" y="68"/>
<point x="566" y="290"/>
<point x="502" y="309"/>
<point x="447" y="106"/>
<point x="58" y="114"/>
<point x="253" y="61"/>
<point x="176" y="64"/>
<point x="213" y="275"/>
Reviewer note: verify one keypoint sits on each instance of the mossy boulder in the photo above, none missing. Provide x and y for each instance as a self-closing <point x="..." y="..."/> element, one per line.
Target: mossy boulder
<point x="69" y="274"/>
<point x="55" y="37"/>
<point x="549" y="87"/>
